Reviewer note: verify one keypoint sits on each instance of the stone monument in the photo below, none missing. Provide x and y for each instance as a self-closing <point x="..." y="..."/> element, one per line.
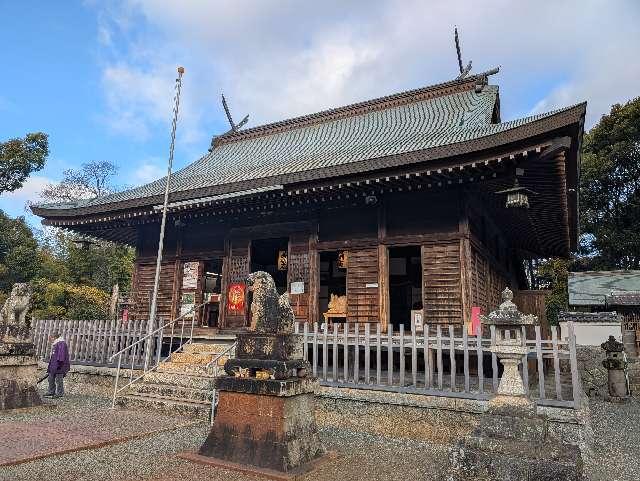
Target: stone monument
<point x="265" y="415"/>
<point x="616" y="366"/>
<point x="512" y="442"/>
<point x="18" y="364"/>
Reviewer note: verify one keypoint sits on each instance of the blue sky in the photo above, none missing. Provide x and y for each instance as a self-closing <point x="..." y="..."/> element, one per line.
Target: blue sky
<point x="97" y="76"/>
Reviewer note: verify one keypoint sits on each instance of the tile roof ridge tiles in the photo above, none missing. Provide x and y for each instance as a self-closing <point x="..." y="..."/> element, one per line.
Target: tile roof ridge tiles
<point x="380" y="103"/>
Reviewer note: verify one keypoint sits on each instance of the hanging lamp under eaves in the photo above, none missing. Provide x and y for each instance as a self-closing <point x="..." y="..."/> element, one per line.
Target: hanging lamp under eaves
<point x="517" y="196"/>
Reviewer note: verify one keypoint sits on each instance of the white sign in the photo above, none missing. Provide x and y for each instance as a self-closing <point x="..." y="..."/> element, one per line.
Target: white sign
<point x="297" y="287"/>
<point x="416" y="319"/>
<point x="373" y="284"/>
<point x="190" y="275"/>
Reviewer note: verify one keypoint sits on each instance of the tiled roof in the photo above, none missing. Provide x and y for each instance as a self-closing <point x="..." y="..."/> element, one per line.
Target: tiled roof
<point x="413" y="121"/>
<point x="603" y="287"/>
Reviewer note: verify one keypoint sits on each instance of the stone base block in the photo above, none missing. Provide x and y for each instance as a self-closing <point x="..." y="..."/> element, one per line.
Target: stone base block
<point x="18" y="374"/>
<point x="512" y="447"/>
<point x="266" y="431"/>
<point x="18" y="394"/>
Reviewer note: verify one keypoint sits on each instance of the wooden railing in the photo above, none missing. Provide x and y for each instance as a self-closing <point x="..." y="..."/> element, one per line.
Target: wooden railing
<point x="93" y="342"/>
<point x="441" y="360"/>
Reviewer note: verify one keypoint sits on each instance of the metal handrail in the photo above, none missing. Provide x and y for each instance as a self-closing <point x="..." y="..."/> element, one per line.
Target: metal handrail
<point x="214" y="362"/>
<point x="192" y="310"/>
<point x="146" y="368"/>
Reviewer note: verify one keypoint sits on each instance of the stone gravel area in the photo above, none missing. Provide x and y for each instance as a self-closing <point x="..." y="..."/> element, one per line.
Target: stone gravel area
<point x="616" y="455"/>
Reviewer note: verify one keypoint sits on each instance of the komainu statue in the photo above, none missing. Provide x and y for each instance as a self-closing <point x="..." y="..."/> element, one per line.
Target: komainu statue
<point x="14" y="311"/>
<point x="270" y="312"/>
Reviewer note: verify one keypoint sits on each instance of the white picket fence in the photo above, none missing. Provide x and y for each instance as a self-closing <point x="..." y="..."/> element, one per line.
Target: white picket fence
<point x="441" y="360"/>
<point x="93" y="342"/>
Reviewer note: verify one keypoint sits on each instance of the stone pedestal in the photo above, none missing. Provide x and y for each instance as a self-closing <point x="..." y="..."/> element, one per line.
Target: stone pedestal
<point x="265" y="415"/>
<point x="18" y="375"/>
<point x="265" y="423"/>
<point x="514" y="444"/>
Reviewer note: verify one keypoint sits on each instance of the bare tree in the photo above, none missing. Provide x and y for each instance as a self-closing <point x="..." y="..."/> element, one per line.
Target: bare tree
<point x="93" y="179"/>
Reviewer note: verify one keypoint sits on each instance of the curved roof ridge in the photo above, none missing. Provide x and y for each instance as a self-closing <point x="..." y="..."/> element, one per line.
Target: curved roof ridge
<point x="358" y="108"/>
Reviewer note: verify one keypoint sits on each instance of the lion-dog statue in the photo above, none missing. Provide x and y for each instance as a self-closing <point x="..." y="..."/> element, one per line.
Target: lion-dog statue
<point x="270" y="312"/>
<point x="14" y="311"/>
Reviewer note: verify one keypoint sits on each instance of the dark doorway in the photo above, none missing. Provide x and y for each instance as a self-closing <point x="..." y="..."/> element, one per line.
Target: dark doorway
<point x="212" y="277"/>
<point x="333" y="280"/>
<point x="264" y="257"/>
<point x="405" y="284"/>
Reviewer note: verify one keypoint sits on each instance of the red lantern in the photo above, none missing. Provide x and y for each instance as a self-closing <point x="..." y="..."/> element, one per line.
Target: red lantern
<point x="236" y="297"/>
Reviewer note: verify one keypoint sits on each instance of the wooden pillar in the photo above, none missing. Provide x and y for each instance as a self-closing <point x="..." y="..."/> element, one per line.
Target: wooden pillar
<point x="465" y="260"/>
<point x="383" y="285"/>
<point x="177" y="277"/>
<point x="224" y="282"/>
<point x="314" y="278"/>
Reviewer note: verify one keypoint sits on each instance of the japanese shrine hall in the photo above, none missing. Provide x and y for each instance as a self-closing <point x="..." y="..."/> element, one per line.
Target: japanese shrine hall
<point x="369" y="212"/>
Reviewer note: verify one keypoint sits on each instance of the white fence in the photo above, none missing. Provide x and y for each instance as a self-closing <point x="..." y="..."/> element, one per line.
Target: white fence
<point x="441" y="360"/>
<point x="93" y="342"/>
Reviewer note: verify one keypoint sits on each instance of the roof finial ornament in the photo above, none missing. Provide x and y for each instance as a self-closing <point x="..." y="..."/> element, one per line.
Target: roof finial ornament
<point x="464" y="71"/>
<point x="234" y="127"/>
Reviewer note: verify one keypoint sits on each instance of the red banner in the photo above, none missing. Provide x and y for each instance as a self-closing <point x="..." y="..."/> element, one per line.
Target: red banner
<point x="236" y="297"/>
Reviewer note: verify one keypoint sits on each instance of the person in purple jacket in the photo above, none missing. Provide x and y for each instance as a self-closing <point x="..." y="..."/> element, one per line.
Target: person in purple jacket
<point x="58" y="365"/>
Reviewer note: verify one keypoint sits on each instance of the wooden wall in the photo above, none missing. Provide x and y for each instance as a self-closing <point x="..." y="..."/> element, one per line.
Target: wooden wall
<point x="142" y="288"/>
<point x="362" y="285"/>
<point x="442" y="289"/>
<point x="465" y="261"/>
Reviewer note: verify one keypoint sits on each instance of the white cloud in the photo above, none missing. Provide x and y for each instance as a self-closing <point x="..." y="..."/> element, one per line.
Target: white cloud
<point x="16" y="203"/>
<point x="148" y="172"/>
<point x="284" y="58"/>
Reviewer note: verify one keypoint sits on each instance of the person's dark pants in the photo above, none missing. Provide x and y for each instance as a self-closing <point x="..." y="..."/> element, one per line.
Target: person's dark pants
<point x="56" y="384"/>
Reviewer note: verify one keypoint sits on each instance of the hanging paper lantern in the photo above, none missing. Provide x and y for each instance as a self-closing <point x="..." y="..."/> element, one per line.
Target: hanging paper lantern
<point x="343" y="257"/>
<point x="236" y="297"/>
<point x="282" y="260"/>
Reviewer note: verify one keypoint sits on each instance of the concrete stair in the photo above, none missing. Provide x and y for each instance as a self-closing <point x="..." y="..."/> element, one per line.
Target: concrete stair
<point x="182" y="385"/>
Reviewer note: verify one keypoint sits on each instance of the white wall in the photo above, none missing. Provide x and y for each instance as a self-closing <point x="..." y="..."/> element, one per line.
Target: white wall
<point x="592" y="333"/>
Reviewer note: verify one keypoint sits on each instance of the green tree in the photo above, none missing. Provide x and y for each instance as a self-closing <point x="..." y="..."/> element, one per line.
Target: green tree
<point x="610" y="189"/>
<point x="20" y="157"/>
<point x="90" y="261"/>
<point x="553" y="274"/>
<point x="19" y="259"/>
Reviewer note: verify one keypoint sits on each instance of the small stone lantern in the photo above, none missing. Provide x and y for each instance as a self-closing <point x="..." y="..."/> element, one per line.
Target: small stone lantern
<point x="616" y="364"/>
<point x="510" y="348"/>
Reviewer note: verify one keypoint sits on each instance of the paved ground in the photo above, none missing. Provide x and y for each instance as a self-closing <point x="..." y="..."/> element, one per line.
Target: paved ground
<point x="360" y="456"/>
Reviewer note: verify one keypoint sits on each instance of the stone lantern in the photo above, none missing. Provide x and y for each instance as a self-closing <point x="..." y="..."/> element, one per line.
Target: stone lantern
<point x="510" y="348"/>
<point x="512" y="441"/>
<point x="616" y="364"/>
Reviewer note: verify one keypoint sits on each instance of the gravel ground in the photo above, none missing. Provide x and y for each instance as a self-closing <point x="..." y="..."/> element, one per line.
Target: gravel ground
<point x="616" y="455"/>
<point x="616" y="450"/>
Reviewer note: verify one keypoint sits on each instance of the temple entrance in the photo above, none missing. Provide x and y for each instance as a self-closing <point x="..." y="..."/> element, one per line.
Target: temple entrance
<point x="211" y="281"/>
<point x="333" y="282"/>
<point x="405" y="284"/>
<point x="271" y="255"/>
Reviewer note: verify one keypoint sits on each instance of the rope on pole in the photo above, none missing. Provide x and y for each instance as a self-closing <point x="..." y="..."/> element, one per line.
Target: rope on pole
<point x="156" y="281"/>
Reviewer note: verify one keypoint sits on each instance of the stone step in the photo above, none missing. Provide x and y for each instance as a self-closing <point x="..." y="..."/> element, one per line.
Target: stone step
<point x="166" y="405"/>
<point x="172" y="391"/>
<point x="179" y="379"/>
<point x="205" y="348"/>
<point x="188" y="369"/>
<point x="191" y="358"/>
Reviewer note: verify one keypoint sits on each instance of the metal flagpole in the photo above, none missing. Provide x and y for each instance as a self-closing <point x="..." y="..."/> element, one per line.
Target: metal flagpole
<point x="156" y="281"/>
